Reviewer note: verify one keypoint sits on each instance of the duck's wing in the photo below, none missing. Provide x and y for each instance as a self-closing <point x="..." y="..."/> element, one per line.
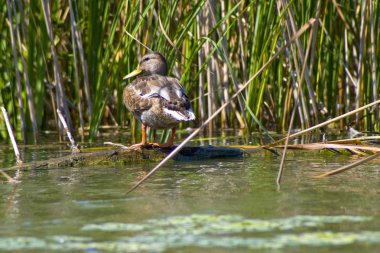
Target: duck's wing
<point x="179" y="104"/>
<point x="171" y="94"/>
<point x="134" y="96"/>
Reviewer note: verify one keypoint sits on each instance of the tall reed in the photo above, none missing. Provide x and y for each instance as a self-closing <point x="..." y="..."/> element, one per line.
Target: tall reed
<point x="71" y="55"/>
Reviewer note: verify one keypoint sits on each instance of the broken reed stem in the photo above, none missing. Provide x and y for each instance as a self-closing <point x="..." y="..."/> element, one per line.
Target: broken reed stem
<point x="377" y="102"/>
<point x="74" y="147"/>
<point x="115" y="144"/>
<point x="242" y="88"/>
<point x="349" y="166"/>
<point x="11" y="135"/>
<point x="300" y="79"/>
<point x="281" y="169"/>
<point x="7" y="177"/>
<point x="165" y="34"/>
<point x="137" y="40"/>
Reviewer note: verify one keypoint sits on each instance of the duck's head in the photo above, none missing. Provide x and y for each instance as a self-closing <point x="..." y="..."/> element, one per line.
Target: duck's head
<point x="151" y="63"/>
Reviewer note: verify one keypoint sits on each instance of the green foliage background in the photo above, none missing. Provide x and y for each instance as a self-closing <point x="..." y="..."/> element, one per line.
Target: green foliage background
<point x="212" y="46"/>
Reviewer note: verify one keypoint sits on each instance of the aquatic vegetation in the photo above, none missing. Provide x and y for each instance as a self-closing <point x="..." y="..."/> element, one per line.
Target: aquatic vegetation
<point x="205" y="231"/>
<point x="224" y="224"/>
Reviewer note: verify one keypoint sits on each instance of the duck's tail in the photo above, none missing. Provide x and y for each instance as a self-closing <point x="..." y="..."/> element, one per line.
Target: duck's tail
<point x="185" y="115"/>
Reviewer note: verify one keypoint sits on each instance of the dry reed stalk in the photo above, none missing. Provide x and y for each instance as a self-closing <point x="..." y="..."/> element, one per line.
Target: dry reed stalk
<point x="349" y="166"/>
<point x="201" y="100"/>
<point x="373" y="66"/>
<point x="7" y="177"/>
<point x="242" y="38"/>
<point x="346" y="79"/>
<point x="76" y="74"/>
<point x="356" y="139"/>
<point x="286" y="107"/>
<point x="224" y="76"/>
<point x="353" y="112"/>
<point x="348" y="25"/>
<point x="52" y="99"/>
<point x="84" y="65"/>
<point x="12" y="137"/>
<point x="110" y="115"/>
<point x="298" y="93"/>
<point x="226" y="63"/>
<point x="300" y="79"/>
<point x="237" y="93"/>
<point x="60" y="93"/>
<point x="207" y="51"/>
<point x="137" y="40"/>
<point x="17" y="72"/>
<point x="74" y="147"/>
<point x="335" y="146"/>
<point x="362" y="37"/>
<point x="315" y="34"/>
<point x="280" y="171"/>
<point x="165" y="34"/>
<point x="292" y="27"/>
<point x="294" y="87"/>
<point x="29" y="91"/>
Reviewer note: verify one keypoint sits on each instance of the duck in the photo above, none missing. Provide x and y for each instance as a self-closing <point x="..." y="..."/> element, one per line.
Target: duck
<point x="155" y="99"/>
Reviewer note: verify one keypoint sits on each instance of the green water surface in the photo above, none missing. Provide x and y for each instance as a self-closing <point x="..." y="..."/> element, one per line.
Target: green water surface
<point x="205" y="206"/>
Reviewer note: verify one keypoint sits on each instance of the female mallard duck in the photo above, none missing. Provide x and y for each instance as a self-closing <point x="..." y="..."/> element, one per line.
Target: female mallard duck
<point x="155" y="99"/>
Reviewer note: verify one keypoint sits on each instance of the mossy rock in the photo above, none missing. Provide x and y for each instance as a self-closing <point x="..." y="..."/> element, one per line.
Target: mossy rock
<point x="123" y="156"/>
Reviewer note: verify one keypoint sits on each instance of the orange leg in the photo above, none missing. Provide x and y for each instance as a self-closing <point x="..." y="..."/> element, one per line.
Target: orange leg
<point x="143" y="134"/>
<point x="143" y="142"/>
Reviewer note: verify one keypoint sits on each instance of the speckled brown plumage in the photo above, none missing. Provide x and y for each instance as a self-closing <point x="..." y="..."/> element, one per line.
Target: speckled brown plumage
<point x="155" y="99"/>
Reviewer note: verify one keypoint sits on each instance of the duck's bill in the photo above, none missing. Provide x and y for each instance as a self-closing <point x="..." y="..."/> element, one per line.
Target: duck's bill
<point x="133" y="73"/>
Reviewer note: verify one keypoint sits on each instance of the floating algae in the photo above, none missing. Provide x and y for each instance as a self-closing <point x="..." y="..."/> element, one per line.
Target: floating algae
<point x="204" y="231"/>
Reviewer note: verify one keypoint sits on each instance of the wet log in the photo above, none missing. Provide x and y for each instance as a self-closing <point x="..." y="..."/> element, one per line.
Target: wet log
<point x="124" y="156"/>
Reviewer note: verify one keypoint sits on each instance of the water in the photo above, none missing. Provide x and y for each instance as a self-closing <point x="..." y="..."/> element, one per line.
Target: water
<point x="206" y="206"/>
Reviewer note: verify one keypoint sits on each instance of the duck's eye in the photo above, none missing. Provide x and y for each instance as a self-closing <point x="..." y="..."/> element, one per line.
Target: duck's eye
<point x="146" y="59"/>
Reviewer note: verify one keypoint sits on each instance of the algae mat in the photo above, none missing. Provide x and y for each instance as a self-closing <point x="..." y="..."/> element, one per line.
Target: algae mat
<point x="205" y="231"/>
